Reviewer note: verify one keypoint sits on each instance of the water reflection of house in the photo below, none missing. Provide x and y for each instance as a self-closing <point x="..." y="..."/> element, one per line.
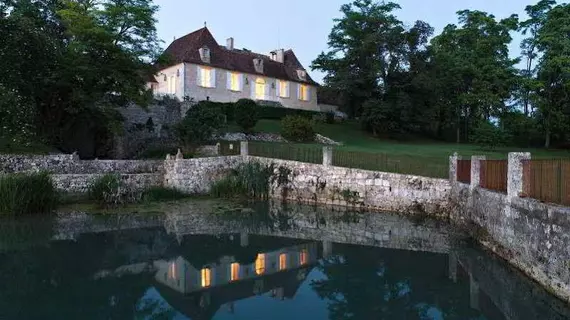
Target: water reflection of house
<point x="199" y="292"/>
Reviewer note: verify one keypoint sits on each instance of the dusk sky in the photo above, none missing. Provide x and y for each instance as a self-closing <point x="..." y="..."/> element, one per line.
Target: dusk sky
<point x="303" y="25"/>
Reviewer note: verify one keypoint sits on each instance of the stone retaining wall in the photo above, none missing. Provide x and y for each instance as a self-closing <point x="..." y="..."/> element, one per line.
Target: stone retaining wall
<point x="79" y="183"/>
<point x="315" y="183"/>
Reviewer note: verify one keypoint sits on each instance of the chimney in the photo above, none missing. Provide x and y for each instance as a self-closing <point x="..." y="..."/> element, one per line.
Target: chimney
<point x="230" y="44"/>
<point x="278" y="55"/>
<point x="258" y="65"/>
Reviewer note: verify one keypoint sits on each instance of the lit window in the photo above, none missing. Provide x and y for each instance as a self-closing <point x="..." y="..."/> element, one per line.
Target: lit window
<point x="283" y="261"/>
<point x="171" y="85"/>
<point x="234" y="82"/>
<point x="304" y="257"/>
<point x="303" y="92"/>
<point x="172" y="270"/>
<point x="234" y="271"/>
<point x="283" y="89"/>
<point x="206" y="77"/>
<point x="206" y="277"/>
<point x="260" y="89"/>
<point x="260" y="263"/>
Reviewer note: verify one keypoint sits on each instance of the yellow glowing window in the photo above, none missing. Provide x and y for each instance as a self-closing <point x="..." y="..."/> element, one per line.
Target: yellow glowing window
<point x="283" y="89"/>
<point x="304" y="257"/>
<point x="283" y="261"/>
<point x="206" y="277"/>
<point x="303" y="92"/>
<point x="234" y="275"/>
<point x="234" y="82"/>
<point x="172" y="270"/>
<point x="206" y="77"/>
<point x="260" y="89"/>
<point x="260" y="263"/>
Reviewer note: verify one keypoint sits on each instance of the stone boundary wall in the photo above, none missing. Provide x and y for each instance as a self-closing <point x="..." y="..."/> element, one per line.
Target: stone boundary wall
<point x="79" y="183"/>
<point x="71" y="164"/>
<point x="329" y="185"/>
<point x="530" y="235"/>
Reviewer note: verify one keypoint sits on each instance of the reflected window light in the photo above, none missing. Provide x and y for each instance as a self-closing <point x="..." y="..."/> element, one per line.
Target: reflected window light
<point x="206" y="277"/>
<point x="282" y="261"/>
<point x="234" y="271"/>
<point x="303" y="257"/>
<point x="172" y="270"/>
<point x="260" y="263"/>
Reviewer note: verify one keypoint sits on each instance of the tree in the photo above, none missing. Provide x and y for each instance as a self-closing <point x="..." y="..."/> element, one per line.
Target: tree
<point x="364" y="51"/>
<point x="473" y="58"/>
<point x="75" y="59"/>
<point x="245" y="114"/>
<point x="200" y="124"/>
<point x="553" y="72"/>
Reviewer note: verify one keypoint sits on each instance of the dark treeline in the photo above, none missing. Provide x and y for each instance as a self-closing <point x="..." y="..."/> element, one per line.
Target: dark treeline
<point x="461" y="85"/>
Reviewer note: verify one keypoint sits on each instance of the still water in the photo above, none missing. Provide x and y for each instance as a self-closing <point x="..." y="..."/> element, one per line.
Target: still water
<point x="202" y="260"/>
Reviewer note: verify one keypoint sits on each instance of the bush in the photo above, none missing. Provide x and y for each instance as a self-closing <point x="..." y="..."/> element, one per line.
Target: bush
<point x="109" y="190"/>
<point x="330" y="117"/>
<point x="27" y="193"/>
<point x="489" y="136"/>
<point x="201" y="122"/>
<point x="249" y="180"/>
<point x="156" y="194"/>
<point x="297" y="129"/>
<point x="278" y="113"/>
<point x="246" y="114"/>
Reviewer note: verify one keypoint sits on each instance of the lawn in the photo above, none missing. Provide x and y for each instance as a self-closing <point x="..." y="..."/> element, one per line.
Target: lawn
<point x="354" y="139"/>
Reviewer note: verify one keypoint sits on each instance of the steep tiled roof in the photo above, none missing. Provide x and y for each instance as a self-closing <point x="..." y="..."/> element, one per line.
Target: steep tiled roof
<point x="186" y="49"/>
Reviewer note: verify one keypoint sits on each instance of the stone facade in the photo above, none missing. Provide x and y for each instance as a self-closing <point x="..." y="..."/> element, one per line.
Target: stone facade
<point x="187" y="85"/>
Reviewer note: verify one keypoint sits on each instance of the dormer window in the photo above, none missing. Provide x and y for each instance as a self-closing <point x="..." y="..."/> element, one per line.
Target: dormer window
<point x="302" y="74"/>
<point x="205" y="54"/>
<point x="258" y="65"/>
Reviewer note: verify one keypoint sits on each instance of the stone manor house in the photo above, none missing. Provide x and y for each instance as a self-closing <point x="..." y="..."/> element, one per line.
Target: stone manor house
<point x="201" y="69"/>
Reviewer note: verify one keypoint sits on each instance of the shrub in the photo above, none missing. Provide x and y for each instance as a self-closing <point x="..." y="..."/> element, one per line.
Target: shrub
<point x="23" y="193"/>
<point x="156" y="194"/>
<point x="109" y="190"/>
<point x="330" y="117"/>
<point x="249" y="180"/>
<point x="489" y="136"/>
<point x="246" y="114"/>
<point x="297" y="129"/>
<point x="201" y="122"/>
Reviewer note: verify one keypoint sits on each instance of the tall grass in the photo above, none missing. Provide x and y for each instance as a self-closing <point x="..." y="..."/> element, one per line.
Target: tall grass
<point x="249" y="180"/>
<point x="26" y="193"/>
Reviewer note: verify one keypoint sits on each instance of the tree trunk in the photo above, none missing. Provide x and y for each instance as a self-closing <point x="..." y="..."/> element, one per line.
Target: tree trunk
<point x="547" y="139"/>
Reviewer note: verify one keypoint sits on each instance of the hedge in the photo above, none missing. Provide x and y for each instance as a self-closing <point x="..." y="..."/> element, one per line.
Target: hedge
<point x="275" y="111"/>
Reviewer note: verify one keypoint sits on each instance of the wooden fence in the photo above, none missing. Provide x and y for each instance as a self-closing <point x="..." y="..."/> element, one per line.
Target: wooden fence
<point x="547" y="180"/>
<point x="464" y="171"/>
<point x="493" y="175"/>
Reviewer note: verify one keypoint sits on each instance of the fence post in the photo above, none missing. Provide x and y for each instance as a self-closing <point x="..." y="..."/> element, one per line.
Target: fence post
<point x="243" y="148"/>
<point x="476" y="171"/>
<point x="453" y="167"/>
<point x="515" y="173"/>
<point x="327" y="155"/>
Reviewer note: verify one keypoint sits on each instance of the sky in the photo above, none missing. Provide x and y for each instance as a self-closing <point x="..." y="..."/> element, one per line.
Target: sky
<point x="304" y="25"/>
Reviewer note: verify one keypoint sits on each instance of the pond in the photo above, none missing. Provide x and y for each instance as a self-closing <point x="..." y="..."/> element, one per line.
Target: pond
<point x="210" y="260"/>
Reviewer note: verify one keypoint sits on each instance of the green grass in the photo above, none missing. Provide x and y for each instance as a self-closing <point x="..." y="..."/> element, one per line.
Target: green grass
<point x="354" y="139"/>
<point x="9" y="146"/>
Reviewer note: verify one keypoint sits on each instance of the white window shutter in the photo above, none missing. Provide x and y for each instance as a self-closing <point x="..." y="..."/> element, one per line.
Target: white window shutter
<point x="199" y="76"/>
<point x="278" y="88"/>
<point x="229" y="80"/>
<point x="213" y="78"/>
<point x="252" y="85"/>
<point x="308" y="93"/>
<point x="287" y="89"/>
<point x="299" y="91"/>
<point x="240" y="81"/>
<point x="266" y="90"/>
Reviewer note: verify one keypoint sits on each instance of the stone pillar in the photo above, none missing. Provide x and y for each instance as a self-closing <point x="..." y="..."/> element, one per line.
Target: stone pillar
<point x="515" y="173"/>
<point x="327" y="155"/>
<point x="327" y="248"/>
<point x="473" y="293"/>
<point x="453" y="167"/>
<point x="244" y="239"/>
<point x="476" y="171"/>
<point x="244" y="149"/>
<point x="179" y="155"/>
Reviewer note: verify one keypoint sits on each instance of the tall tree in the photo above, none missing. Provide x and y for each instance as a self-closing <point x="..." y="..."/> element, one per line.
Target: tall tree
<point x="474" y="60"/>
<point x="552" y="96"/>
<point x="537" y="17"/>
<point x="364" y="51"/>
